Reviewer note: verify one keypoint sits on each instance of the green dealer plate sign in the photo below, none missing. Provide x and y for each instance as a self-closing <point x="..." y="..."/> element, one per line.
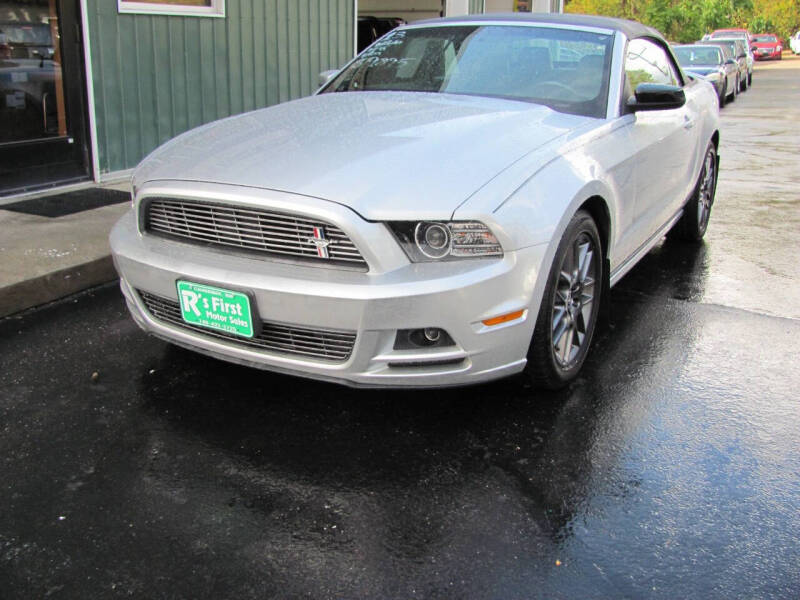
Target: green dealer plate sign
<point x="215" y="308"/>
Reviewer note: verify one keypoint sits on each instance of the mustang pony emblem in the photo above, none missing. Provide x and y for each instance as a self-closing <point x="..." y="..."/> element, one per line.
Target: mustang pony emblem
<point x="321" y="242"/>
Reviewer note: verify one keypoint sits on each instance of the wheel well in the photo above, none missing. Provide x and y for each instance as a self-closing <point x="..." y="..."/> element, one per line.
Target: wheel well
<point x="598" y="208"/>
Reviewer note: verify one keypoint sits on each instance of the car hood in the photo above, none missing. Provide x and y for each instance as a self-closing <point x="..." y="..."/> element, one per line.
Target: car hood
<point x="702" y="70"/>
<point x="383" y="154"/>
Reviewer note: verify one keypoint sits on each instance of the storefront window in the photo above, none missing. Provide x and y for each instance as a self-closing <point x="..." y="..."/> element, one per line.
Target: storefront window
<point x="32" y="103"/>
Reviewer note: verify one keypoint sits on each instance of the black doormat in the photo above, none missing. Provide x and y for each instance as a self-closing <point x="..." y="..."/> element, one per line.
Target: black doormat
<point x="67" y="204"/>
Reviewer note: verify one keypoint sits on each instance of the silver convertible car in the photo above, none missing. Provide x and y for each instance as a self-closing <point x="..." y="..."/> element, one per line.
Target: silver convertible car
<point x="449" y="208"/>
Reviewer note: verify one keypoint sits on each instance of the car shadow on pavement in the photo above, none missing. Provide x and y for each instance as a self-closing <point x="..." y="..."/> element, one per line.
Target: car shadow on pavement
<point x="423" y="452"/>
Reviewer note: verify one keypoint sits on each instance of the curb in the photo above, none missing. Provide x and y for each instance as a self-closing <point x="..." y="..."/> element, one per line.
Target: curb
<point x="40" y="290"/>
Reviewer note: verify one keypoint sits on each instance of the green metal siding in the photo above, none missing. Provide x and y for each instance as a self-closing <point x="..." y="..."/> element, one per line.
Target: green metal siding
<point x="476" y="7"/>
<point x="157" y="76"/>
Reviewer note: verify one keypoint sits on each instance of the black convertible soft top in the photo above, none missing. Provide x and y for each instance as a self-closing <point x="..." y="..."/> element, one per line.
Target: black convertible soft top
<point x="631" y="29"/>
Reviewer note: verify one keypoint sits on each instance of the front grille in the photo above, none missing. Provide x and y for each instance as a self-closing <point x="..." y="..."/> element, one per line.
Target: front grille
<point x="251" y="229"/>
<point x="323" y="344"/>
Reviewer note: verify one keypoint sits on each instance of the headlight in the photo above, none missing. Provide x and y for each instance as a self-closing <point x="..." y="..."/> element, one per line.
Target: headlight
<point x="427" y="241"/>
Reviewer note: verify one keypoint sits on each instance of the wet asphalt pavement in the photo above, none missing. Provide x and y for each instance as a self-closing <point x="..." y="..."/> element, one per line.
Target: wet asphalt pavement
<point x="670" y="469"/>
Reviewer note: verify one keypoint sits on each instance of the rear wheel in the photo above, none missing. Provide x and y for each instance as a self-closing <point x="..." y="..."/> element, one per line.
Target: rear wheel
<point x="749" y="79"/>
<point x="694" y="222"/>
<point x="570" y="306"/>
<point x="743" y="84"/>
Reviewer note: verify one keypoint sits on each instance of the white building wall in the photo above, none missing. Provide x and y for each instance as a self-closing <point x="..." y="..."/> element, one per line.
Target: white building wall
<point x="508" y="5"/>
<point x="454" y="8"/>
<point x="410" y="10"/>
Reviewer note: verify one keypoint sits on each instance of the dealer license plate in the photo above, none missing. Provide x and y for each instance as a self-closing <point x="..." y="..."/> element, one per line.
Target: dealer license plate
<point x="215" y="308"/>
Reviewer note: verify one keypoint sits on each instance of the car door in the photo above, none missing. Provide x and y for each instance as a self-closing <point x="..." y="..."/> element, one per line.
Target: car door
<point x="664" y="142"/>
<point x="731" y="69"/>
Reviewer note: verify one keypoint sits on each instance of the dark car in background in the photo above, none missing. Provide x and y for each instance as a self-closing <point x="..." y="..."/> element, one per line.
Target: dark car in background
<point x="738" y="50"/>
<point x="767" y="46"/>
<point x="715" y="64"/>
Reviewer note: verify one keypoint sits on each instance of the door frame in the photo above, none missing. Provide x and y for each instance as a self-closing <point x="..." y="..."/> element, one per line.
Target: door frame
<point x="94" y="157"/>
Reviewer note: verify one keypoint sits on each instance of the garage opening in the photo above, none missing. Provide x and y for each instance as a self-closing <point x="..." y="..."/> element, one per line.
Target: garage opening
<point x="378" y="17"/>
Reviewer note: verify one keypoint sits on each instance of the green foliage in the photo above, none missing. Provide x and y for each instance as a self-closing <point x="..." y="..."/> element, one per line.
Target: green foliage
<point x="762" y="24"/>
<point x="688" y="20"/>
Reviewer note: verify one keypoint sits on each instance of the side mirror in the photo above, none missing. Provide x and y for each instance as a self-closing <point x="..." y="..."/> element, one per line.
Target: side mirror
<point x="326" y="76"/>
<point x="731" y="61"/>
<point x="656" y="96"/>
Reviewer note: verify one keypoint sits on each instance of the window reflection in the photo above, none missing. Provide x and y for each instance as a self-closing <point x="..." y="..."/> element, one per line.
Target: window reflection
<point x="647" y="63"/>
<point x="32" y="104"/>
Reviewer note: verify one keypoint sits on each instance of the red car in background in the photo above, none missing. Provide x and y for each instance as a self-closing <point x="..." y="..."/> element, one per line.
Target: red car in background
<point x="767" y="46"/>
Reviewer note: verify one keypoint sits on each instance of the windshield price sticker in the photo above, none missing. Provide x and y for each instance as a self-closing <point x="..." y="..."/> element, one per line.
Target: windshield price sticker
<point x="215" y="308"/>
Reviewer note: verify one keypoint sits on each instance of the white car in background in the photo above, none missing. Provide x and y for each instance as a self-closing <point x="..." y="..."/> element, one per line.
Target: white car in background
<point x="794" y="43"/>
<point x="452" y="207"/>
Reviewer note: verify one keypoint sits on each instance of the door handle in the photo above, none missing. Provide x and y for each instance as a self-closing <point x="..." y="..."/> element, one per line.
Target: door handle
<point x="688" y="122"/>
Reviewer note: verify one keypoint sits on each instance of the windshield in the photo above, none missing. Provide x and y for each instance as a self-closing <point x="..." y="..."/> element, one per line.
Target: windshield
<point x="698" y="55"/>
<point x="731" y="45"/>
<point x="765" y="39"/>
<point x="566" y="70"/>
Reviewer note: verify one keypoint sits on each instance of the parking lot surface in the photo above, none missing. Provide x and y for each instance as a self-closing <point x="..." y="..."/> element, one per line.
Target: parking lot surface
<point x="670" y="469"/>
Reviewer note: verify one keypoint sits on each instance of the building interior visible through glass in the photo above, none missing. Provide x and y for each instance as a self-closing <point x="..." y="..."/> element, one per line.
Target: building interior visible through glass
<point x="32" y="102"/>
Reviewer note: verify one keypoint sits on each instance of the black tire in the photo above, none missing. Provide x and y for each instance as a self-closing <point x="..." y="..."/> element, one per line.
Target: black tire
<point x="749" y="80"/>
<point x="693" y="223"/>
<point x="743" y="83"/>
<point x="570" y="306"/>
<point x="721" y="95"/>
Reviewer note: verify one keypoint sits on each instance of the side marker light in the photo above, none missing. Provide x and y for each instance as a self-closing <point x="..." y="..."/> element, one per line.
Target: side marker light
<point x="504" y="318"/>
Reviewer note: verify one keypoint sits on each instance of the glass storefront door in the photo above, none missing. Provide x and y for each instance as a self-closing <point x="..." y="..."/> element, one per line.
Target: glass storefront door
<point x="43" y="138"/>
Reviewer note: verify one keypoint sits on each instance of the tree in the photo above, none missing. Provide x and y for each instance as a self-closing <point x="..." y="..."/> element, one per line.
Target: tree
<point x="688" y="20"/>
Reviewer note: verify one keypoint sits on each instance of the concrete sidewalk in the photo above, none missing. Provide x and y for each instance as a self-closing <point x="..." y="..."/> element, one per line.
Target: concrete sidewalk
<point x="44" y="258"/>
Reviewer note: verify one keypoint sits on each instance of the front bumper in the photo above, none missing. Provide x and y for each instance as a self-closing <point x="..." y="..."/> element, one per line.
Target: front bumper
<point x="770" y="55"/>
<point x="454" y="296"/>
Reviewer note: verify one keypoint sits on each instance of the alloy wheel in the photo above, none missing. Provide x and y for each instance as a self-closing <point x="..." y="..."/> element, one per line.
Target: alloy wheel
<point x="572" y="301"/>
<point x="706" y="191"/>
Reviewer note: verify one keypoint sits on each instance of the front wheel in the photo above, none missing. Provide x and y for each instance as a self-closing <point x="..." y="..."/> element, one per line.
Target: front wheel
<point x="694" y="221"/>
<point x="570" y="306"/>
<point x="721" y="96"/>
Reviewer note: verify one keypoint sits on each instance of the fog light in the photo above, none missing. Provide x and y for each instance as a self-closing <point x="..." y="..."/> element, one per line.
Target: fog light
<point x="432" y="334"/>
<point x="429" y="337"/>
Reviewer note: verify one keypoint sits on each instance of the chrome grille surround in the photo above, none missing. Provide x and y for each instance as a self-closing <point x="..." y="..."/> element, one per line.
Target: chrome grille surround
<point x="280" y="338"/>
<point x="252" y="230"/>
